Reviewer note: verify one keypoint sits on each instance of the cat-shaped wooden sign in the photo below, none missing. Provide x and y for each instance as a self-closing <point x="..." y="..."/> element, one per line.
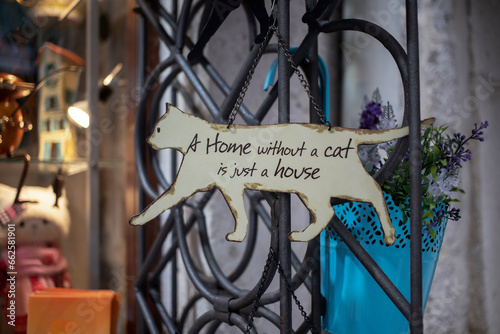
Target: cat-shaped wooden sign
<point x="310" y="160"/>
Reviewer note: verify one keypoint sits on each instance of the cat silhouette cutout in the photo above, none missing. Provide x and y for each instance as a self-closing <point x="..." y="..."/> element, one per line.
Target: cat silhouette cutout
<point x="306" y="159"/>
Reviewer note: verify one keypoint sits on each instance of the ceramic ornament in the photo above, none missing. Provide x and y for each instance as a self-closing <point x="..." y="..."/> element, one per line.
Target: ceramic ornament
<point x="306" y="159"/>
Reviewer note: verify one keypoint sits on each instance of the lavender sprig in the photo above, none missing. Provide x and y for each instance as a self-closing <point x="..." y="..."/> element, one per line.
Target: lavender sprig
<point x="442" y="158"/>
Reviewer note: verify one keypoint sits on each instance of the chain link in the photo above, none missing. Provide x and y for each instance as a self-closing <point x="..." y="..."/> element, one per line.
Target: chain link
<point x="239" y="101"/>
<point x="272" y="256"/>
<point x="289" y="288"/>
<point x="241" y="96"/>
<point x="300" y="76"/>
<point x="251" y="72"/>
<point x="260" y="292"/>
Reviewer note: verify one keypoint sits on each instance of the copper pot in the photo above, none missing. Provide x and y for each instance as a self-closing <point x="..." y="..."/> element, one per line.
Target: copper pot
<point x="13" y="122"/>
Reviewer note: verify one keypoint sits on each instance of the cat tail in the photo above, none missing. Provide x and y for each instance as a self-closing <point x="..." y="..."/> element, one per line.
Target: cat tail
<point x="382" y="136"/>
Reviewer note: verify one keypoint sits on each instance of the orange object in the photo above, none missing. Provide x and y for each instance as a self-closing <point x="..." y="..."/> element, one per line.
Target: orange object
<point x="56" y="310"/>
<point x="12" y="120"/>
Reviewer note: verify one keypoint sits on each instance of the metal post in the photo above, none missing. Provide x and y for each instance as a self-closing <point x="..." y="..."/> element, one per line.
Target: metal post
<point x="92" y="77"/>
<point x="416" y="313"/>
<point x="284" y="201"/>
<point x="141" y="78"/>
<point x="314" y="118"/>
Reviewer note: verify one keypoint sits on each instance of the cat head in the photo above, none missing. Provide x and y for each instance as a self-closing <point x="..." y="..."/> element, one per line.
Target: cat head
<point x="175" y="130"/>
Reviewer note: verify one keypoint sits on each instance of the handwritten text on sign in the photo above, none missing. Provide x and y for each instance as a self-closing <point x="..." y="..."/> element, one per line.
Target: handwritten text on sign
<point x="306" y="159"/>
<point x="274" y="152"/>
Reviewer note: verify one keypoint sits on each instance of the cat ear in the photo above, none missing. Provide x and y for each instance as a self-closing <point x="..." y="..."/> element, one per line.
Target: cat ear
<point x="173" y="109"/>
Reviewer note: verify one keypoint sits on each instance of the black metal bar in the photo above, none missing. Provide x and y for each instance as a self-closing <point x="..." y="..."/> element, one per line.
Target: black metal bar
<point x="141" y="75"/>
<point x="140" y="128"/>
<point x="298" y="57"/>
<point x="220" y="291"/>
<point x="372" y="267"/>
<point x="153" y="117"/>
<point x="150" y="15"/>
<point x="399" y="55"/>
<point x="314" y="244"/>
<point x="266" y="313"/>
<point x="416" y="314"/>
<point x="187" y="308"/>
<point x="230" y="93"/>
<point x="229" y="318"/>
<point x="296" y="263"/>
<point x="206" y="292"/>
<point x="239" y="82"/>
<point x="173" y="175"/>
<point x="166" y="319"/>
<point x="214" y="75"/>
<point x="155" y="275"/>
<point x="153" y="252"/>
<point x="210" y="257"/>
<point x="183" y="24"/>
<point x="249" y="249"/>
<point x="147" y="317"/>
<point x="239" y="303"/>
<point x="284" y="199"/>
<point x="213" y="327"/>
<point x="186" y="68"/>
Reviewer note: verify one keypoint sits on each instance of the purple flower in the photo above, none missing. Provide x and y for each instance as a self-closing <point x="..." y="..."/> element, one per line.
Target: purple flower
<point x="370" y="117"/>
<point x="465" y="155"/>
<point x="454" y="214"/>
<point x="477" y="133"/>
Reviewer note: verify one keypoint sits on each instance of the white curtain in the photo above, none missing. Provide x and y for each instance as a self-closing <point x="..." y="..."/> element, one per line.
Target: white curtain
<point x="460" y="80"/>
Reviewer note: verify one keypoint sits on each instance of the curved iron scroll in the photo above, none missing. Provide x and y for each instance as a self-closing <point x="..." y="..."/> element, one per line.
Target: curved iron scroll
<point x="231" y="304"/>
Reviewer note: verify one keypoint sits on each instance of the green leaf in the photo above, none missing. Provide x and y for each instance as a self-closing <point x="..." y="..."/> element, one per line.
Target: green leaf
<point x="434" y="172"/>
<point x="431" y="231"/>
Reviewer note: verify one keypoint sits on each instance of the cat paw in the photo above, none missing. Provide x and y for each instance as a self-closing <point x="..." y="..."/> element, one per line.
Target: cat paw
<point x="194" y="56"/>
<point x="262" y="36"/>
<point x="236" y="236"/>
<point x="138" y="220"/>
<point x="390" y="236"/>
<point x="299" y="236"/>
<point x="259" y="38"/>
<point x="308" y="17"/>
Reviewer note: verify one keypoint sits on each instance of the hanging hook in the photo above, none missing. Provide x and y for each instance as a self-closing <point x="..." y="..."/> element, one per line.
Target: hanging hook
<point x="274" y="13"/>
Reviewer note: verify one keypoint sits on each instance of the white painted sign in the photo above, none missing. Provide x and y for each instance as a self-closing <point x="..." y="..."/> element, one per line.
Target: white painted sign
<point x="306" y="159"/>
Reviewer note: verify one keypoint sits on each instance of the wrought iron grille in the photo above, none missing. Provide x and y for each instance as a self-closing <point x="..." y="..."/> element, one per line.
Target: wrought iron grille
<point x="231" y="304"/>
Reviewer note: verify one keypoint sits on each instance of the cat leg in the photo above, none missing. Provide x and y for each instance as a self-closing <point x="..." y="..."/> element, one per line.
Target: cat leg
<point x="371" y="193"/>
<point x="258" y="9"/>
<point x="380" y="206"/>
<point x="322" y="213"/>
<point x="316" y="12"/>
<point x="221" y="9"/>
<point x="179" y="191"/>
<point x="236" y="203"/>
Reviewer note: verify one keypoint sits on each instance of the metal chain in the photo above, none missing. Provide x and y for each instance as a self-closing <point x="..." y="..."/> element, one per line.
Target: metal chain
<point x="260" y="291"/>
<point x="289" y="288"/>
<point x="303" y="81"/>
<point x="241" y="96"/>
